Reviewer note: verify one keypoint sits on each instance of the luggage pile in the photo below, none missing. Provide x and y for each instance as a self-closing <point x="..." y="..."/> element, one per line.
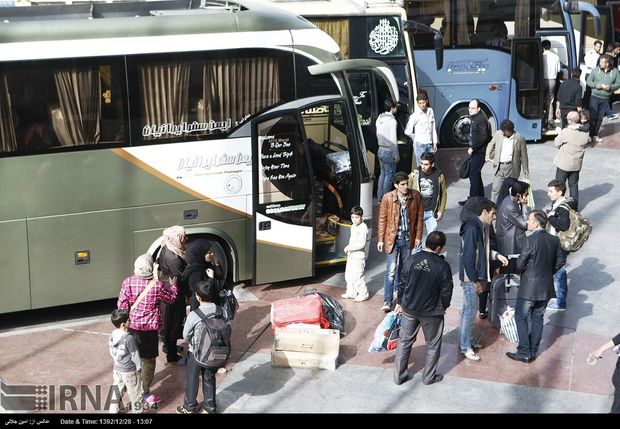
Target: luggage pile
<point x="301" y="338"/>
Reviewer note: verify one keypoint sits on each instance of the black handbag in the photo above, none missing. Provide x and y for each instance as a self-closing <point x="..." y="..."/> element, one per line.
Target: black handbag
<point x="464" y="168"/>
<point x="229" y="302"/>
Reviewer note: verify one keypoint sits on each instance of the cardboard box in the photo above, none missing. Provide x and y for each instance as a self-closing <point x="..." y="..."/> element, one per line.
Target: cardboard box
<point x="288" y="359"/>
<point x="308" y="340"/>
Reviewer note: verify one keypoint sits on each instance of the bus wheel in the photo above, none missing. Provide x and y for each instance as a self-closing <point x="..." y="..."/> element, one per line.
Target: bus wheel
<point x="455" y="128"/>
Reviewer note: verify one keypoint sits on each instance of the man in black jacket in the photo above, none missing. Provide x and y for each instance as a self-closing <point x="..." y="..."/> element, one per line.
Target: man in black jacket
<point x="479" y="137"/>
<point x="540" y="259"/>
<point x="569" y="97"/>
<point x="424" y="294"/>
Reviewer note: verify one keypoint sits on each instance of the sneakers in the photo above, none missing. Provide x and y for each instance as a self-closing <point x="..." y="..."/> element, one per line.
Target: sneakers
<point x="345" y="296"/>
<point x="151" y="398"/>
<point x="483" y="315"/>
<point x="469" y="354"/>
<point x="205" y="411"/>
<point x="182" y="410"/>
<point x="612" y="117"/>
<point x="462" y="203"/>
<point x="360" y="298"/>
<point x="597" y="139"/>
<point x="387" y="307"/>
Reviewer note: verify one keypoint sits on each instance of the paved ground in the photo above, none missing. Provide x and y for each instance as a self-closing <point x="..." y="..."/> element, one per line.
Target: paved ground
<point x="559" y="381"/>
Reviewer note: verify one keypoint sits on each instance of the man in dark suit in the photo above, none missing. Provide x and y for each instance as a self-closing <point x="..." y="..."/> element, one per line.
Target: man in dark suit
<point x="540" y="259"/>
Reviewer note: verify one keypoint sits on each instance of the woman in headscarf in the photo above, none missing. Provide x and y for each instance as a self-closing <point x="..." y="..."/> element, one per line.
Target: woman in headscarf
<point x="202" y="264"/>
<point x="145" y="317"/>
<point x="172" y="263"/>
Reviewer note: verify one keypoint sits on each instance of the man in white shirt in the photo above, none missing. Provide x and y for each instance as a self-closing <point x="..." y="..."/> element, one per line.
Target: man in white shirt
<point x="421" y="129"/>
<point x="508" y="152"/>
<point x="591" y="60"/>
<point x="551" y="68"/>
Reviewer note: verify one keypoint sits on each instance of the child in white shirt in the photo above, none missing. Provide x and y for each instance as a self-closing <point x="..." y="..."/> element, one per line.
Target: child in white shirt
<point x="356" y="258"/>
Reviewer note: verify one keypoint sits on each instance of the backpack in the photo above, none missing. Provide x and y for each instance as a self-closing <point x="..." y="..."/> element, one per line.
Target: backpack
<point x="577" y="233"/>
<point x="211" y="340"/>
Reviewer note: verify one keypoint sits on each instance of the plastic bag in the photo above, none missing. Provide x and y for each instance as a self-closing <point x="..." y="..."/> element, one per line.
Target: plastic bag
<point x="331" y="309"/>
<point x="509" y="325"/>
<point x="386" y="334"/>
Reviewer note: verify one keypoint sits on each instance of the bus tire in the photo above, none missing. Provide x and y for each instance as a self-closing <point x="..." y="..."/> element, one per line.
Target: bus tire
<point x="455" y="128"/>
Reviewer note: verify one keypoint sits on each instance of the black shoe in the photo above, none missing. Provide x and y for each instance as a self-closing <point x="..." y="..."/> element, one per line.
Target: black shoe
<point x="518" y="357"/>
<point x="483" y="315"/>
<point x="462" y="203"/>
<point x="403" y="379"/>
<point x="436" y="379"/>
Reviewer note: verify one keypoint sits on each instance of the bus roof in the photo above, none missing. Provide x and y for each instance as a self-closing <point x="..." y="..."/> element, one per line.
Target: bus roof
<point x="339" y="8"/>
<point x="153" y="18"/>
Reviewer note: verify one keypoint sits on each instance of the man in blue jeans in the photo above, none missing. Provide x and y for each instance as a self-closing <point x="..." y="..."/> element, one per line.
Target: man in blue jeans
<point x="401" y="222"/>
<point x="387" y="151"/>
<point x="559" y="219"/>
<point x="474" y="271"/>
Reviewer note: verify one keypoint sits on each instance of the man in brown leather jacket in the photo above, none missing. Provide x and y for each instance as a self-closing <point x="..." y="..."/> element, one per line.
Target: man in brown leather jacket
<point x="401" y="222"/>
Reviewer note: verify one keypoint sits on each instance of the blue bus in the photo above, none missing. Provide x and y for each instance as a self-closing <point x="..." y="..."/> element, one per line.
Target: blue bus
<point x="492" y="52"/>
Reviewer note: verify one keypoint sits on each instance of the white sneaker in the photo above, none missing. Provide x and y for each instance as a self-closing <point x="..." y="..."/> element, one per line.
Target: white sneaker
<point x="361" y="298"/>
<point x="469" y="354"/>
<point x="345" y="296"/>
<point x="597" y="139"/>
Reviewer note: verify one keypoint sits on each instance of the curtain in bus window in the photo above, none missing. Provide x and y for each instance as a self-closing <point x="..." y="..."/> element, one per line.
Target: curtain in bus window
<point x="236" y="89"/>
<point x="7" y="129"/>
<point x="338" y="29"/>
<point x="164" y="91"/>
<point x="464" y="24"/>
<point x="79" y="93"/>
<point x="446" y="26"/>
<point x="522" y="18"/>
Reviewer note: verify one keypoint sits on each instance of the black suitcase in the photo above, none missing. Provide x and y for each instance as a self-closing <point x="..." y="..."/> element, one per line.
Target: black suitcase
<point x="504" y="289"/>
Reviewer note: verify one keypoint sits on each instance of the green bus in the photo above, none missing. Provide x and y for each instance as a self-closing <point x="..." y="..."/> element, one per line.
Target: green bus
<point x="233" y="119"/>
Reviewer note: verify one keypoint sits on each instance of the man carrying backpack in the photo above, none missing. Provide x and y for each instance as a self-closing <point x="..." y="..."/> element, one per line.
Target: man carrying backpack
<point x="193" y="332"/>
<point x="559" y="220"/>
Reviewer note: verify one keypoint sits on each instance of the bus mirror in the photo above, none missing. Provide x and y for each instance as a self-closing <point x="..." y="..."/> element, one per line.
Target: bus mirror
<point x="438" y="40"/>
<point x="414" y="27"/>
<point x="573" y="6"/>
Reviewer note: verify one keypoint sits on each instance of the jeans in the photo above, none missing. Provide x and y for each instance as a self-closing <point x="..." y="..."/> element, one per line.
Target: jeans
<point x="387" y="162"/>
<point x="193" y="372"/>
<point x="420" y="148"/>
<point x="573" y="182"/>
<point x="476" y="188"/>
<point x="529" y="340"/>
<point x="395" y="260"/>
<point x="468" y="315"/>
<point x="561" y="286"/>
<point x="598" y="108"/>
<point x="430" y="222"/>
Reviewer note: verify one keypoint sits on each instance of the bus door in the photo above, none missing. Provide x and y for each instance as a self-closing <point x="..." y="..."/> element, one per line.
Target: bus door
<point x="283" y="199"/>
<point x="526" y="97"/>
